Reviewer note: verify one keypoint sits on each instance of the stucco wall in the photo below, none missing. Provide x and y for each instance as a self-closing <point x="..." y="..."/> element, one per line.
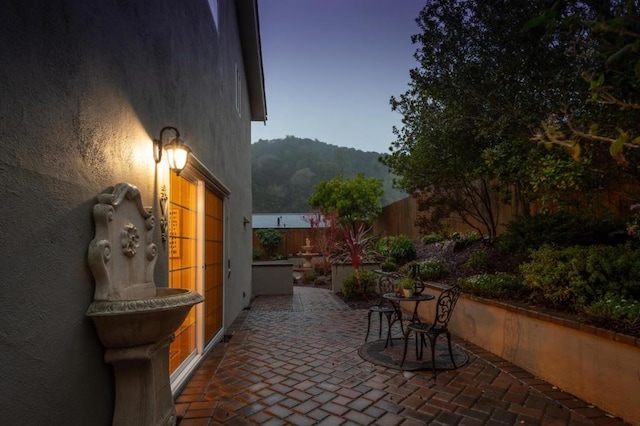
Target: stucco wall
<point x="272" y="278"/>
<point x="84" y="86"/>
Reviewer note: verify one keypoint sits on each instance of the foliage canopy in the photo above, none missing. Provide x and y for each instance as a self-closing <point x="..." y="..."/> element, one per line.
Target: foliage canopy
<point x="355" y="200"/>
<point x="487" y="77"/>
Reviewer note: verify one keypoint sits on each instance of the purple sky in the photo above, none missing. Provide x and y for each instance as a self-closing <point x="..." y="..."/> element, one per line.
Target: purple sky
<point x="331" y="66"/>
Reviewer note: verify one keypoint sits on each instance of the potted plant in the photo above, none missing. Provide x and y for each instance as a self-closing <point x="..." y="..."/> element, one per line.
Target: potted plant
<point x="407" y="284"/>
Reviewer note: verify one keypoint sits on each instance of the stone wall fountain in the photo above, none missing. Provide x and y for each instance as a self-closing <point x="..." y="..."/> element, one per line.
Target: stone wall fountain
<point x="135" y="320"/>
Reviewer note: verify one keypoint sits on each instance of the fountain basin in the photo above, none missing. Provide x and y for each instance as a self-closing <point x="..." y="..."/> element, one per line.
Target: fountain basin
<point x="127" y="323"/>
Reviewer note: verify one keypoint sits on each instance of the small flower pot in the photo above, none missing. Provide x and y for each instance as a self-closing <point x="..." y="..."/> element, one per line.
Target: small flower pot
<point x="408" y="292"/>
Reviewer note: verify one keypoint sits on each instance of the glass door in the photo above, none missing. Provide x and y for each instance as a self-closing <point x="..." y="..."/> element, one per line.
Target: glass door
<point x="183" y="261"/>
<point x="214" y="267"/>
<point x="196" y="253"/>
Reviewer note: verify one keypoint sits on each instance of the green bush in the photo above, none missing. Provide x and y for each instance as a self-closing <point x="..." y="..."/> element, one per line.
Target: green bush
<point x="398" y="248"/>
<point x="496" y="285"/>
<point x="321" y="280"/>
<point x="561" y="229"/>
<point x="309" y="275"/>
<point x="624" y="313"/>
<point x="366" y="289"/>
<point x="433" y="269"/>
<point x="432" y="238"/>
<point x="269" y="239"/>
<point x="575" y="277"/>
<point x="389" y="266"/>
<point x="478" y="260"/>
<point x="258" y="253"/>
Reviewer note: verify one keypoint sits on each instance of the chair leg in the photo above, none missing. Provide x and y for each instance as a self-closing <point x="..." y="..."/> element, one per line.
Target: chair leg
<point x="406" y="343"/>
<point x="368" y="326"/>
<point x="450" y="351"/>
<point x="432" y="341"/>
<point x="418" y="347"/>
<point x="388" y="315"/>
<point x="379" y="325"/>
<point x="389" y="339"/>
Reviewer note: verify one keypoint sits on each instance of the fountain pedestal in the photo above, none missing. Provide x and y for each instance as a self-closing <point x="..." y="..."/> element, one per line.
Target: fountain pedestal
<point x="307" y="256"/>
<point x="141" y="371"/>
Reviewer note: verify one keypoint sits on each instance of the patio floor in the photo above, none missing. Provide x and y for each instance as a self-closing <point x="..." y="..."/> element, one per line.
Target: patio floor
<point x="293" y="360"/>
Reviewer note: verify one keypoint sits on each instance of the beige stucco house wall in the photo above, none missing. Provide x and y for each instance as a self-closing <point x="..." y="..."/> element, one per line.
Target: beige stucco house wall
<point x="84" y="87"/>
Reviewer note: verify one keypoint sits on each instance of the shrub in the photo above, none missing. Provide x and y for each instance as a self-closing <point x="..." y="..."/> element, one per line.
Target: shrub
<point x="495" y="285"/>
<point x="258" y="253"/>
<point x="561" y="229"/>
<point x="389" y="266"/>
<point x="478" y="260"/>
<point x="432" y="238"/>
<point x="433" y="269"/>
<point x="322" y="268"/>
<point x="624" y="313"/>
<point x="309" y="275"/>
<point x="269" y="239"/>
<point x="575" y="277"/>
<point x="462" y="240"/>
<point x="366" y="288"/>
<point x="398" y="248"/>
<point x="322" y="280"/>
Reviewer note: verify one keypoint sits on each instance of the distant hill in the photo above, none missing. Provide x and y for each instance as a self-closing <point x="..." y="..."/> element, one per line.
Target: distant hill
<point x="286" y="171"/>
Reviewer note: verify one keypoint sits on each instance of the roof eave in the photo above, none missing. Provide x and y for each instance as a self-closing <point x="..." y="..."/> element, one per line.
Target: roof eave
<point x="249" y="24"/>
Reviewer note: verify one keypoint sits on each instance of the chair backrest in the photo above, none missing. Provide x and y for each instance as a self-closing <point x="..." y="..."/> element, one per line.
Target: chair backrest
<point x="444" y="308"/>
<point x="387" y="284"/>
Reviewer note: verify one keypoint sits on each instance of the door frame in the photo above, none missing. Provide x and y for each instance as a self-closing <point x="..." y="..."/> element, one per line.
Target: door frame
<point x="201" y="176"/>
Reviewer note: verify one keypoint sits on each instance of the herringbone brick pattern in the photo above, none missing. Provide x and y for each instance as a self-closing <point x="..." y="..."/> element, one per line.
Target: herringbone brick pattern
<point x="293" y="360"/>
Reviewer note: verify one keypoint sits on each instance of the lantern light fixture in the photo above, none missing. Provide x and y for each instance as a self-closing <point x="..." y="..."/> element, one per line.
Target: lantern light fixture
<point x="177" y="151"/>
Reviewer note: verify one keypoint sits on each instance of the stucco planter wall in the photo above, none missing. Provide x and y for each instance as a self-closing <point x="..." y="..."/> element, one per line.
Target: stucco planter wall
<point x="272" y="278"/>
<point x="596" y="365"/>
<point x="340" y="270"/>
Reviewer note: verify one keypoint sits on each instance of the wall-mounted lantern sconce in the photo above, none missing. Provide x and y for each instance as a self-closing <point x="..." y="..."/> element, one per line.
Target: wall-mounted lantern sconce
<point x="177" y="151"/>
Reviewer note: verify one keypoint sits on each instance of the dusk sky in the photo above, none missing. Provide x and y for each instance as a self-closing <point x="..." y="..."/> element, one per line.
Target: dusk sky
<point x="331" y="67"/>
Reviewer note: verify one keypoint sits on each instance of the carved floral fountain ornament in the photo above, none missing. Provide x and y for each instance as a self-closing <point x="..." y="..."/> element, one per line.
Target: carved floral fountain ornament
<point x="135" y="320"/>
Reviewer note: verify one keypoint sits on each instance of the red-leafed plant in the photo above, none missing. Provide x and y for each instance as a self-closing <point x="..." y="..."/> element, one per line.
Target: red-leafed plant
<point x="357" y="240"/>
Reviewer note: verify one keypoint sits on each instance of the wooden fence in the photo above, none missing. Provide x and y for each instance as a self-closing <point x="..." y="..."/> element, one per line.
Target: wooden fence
<point x="401" y="218"/>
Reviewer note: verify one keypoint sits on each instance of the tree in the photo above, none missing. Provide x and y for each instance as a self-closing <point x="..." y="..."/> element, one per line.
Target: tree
<point x="606" y="46"/>
<point x="354" y="201"/>
<point x="482" y="86"/>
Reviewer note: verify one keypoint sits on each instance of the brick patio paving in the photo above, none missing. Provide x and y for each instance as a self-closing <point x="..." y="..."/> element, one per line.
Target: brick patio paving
<point x="293" y="360"/>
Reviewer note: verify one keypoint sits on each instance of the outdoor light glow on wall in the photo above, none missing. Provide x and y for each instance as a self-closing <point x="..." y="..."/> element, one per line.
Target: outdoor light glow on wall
<point x="177" y="151"/>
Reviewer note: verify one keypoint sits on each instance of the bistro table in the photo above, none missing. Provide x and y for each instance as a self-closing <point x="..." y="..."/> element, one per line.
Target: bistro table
<point x="395" y="300"/>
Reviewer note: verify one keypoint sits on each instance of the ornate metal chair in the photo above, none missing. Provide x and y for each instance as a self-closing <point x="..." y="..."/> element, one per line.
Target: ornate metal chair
<point x="383" y="307"/>
<point x="444" y="309"/>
